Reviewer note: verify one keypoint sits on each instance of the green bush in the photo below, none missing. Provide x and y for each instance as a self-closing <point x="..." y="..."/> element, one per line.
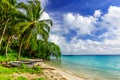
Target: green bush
<point x="23" y="66"/>
<point x="37" y="68"/>
<point x="12" y="56"/>
<point x="3" y="58"/>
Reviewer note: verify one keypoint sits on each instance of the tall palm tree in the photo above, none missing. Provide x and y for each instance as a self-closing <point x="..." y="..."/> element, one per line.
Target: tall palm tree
<point x="8" y="10"/>
<point x="4" y="7"/>
<point x="31" y="23"/>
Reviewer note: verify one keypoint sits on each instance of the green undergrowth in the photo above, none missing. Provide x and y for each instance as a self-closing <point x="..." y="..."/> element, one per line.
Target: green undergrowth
<point x="22" y="78"/>
<point x="39" y="79"/>
<point x="6" y="73"/>
<point x="10" y="77"/>
<point x="22" y="69"/>
<point x="5" y="77"/>
<point x="11" y="57"/>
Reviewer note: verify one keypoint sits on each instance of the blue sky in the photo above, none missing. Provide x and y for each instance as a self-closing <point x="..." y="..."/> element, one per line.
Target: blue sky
<point x="85" y="26"/>
<point x="84" y="7"/>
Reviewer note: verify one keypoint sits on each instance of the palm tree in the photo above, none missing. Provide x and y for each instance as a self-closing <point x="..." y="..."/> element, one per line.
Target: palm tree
<point x="31" y="23"/>
<point x="7" y="11"/>
<point x="4" y="18"/>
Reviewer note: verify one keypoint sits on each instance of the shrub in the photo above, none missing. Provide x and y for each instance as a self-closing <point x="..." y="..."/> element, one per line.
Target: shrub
<point x="23" y="66"/>
<point x="37" y="68"/>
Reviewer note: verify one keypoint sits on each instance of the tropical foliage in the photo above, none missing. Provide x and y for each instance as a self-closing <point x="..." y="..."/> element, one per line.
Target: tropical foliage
<point x="45" y="50"/>
<point x="22" y="31"/>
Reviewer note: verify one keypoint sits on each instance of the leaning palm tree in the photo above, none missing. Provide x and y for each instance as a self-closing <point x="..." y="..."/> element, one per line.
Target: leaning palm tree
<point x="5" y="6"/>
<point x="30" y="23"/>
<point x="7" y="12"/>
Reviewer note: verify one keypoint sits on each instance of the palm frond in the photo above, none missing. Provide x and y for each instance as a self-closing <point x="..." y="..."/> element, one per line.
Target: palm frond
<point x="22" y="5"/>
<point x="27" y="37"/>
<point x="49" y="21"/>
<point x="7" y="3"/>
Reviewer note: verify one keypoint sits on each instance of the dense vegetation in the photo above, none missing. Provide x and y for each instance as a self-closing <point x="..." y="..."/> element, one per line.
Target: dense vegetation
<point x="8" y="73"/>
<point x="23" y="32"/>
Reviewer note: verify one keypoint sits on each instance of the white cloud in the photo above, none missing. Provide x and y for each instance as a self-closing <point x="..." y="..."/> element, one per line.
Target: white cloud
<point x="111" y="21"/>
<point x="78" y="46"/>
<point x="97" y="13"/>
<point x="58" y="27"/>
<point x="82" y="24"/>
<point x="85" y="25"/>
<point x="45" y="16"/>
<point x="112" y="17"/>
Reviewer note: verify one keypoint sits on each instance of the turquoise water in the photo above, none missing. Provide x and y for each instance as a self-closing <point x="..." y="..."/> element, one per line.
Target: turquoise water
<point x="93" y="67"/>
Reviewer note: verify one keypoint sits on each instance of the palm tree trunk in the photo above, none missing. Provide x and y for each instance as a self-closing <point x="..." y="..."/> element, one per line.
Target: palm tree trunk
<point x="30" y="53"/>
<point x="3" y="33"/>
<point x="19" y="51"/>
<point x="8" y="43"/>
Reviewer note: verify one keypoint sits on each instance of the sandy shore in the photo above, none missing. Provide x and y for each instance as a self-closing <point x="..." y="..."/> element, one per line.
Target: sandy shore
<point x="55" y="73"/>
<point x="50" y="72"/>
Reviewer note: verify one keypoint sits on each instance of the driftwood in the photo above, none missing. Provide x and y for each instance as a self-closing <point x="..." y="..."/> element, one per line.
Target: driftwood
<point x="28" y="63"/>
<point x="14" y="63"/>
<point x="5" y="64"/>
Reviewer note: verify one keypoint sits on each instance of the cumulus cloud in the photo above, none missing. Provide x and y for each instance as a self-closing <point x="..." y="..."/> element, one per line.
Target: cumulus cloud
<point x="86" y="25"/>
<point x="111" y="21"/>
<point x="97" y="13"/>
<point x="84" y="47"/>
<point x="58" y="27"/>
<point x="45" y="16"/>
<point x="79" y="46"/>
<point x="82" y="24"/>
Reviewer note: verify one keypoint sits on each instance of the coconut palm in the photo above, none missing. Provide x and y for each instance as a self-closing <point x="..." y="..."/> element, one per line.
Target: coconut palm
<point x="8" y="10"/>
<point x="31" y="24"/>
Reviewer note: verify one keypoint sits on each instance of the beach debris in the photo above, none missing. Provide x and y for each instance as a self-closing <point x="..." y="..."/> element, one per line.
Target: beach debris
<point x="29" y="63"/>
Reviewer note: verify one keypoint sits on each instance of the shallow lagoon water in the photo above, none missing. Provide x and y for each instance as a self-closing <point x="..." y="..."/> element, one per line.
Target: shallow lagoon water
<point x="97" y="67"/>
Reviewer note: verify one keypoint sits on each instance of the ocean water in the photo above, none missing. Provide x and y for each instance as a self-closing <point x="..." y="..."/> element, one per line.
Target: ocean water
<point x="92" y="67"/>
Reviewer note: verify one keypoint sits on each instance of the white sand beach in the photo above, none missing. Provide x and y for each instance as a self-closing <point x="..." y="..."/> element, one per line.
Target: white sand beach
<point x="50" y="72"/>
<point x="55" y="73"/>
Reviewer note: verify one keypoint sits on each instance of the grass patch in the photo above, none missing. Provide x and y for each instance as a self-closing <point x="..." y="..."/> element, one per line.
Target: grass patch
<point x="11" y="57"/>
<point x="5" y="73"/>
<point x="3" y="58"/>
<point x="39" y="79"/>
<point x="9" y="77"/>
<point x="22" y="78"/>
<point x="5" y="77"/>
<point x="4" y="70"/>
<point x="37" y="68"/>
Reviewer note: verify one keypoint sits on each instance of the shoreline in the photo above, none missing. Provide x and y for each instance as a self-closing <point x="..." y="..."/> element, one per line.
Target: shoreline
<point x="56" y="73"/>
<point x="51" y="72"/>
<point x="68" y="75"/>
